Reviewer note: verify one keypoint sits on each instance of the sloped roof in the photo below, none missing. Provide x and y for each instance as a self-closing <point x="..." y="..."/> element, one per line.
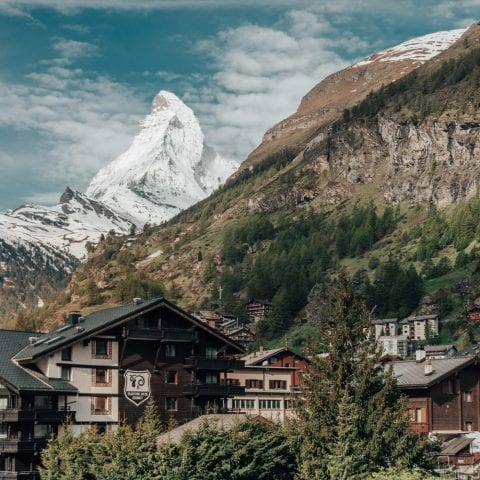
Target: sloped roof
<point x="384" y="321"/>
<point x="411" y="374"/>
<point x="223" y="421"/>
<point x="99" y="321"/>
<point x="260" y="301"/>
<point x="438" y="348"/>
<point x="257" y="358"/>
<point x="20" y="378"/>
<point x="455" y="445"/>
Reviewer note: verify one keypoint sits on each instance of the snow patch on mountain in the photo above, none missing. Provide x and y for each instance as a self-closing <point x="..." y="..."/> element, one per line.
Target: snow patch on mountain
<point x="420" y="49"/>
<point x="167" y="168"/>
<point x="66" y="227"/>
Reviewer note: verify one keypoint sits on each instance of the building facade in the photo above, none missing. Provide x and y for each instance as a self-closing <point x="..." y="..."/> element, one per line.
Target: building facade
<point x="271" y="379"/>
<point x="258" y="310"/>
<point x="103" y="368"/>
<point x="443" y="394"/>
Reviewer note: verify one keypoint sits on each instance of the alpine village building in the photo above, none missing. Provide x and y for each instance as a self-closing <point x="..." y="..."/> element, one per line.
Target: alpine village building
<point x="101" y="369"/>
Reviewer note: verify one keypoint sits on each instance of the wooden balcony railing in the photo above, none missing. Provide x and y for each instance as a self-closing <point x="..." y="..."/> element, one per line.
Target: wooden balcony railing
<point x="419" y="428"/>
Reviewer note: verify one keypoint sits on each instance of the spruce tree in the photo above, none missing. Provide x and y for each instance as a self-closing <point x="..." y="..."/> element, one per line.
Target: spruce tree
<point x="351" y="419"/>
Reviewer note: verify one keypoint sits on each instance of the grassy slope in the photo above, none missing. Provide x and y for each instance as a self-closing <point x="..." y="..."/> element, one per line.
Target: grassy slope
<point x="201" y="228"/>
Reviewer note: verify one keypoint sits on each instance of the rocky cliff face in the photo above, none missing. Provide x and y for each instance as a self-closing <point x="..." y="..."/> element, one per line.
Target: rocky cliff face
<point x="327" y="100"/>
<point x="435" y="163"/>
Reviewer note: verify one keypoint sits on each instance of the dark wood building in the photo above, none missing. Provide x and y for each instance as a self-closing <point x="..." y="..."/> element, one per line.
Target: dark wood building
<point x="102" y="369"/>
<point x="32" y="406"/>
<point x="258" y="310"/>
<point x="443" y="394"/>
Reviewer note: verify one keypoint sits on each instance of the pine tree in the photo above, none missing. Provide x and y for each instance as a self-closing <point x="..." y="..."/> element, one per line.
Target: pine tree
<point x="350" y="406"/>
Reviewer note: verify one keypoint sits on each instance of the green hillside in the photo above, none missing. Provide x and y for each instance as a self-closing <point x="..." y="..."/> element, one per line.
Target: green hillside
<point x="269" y="233"/>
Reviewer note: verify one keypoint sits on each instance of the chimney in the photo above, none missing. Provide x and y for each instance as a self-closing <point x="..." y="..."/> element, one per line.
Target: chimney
<point x="137" y="300"/>
<point x="32" y="340"/>
<point x="73" y="317"/>
<point x="428" y="367"/>
<point x="420" y="355"/>
<point x="260" y="349"/>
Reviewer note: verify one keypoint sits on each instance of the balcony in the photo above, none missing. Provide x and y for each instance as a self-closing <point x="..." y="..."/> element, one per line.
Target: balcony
<point x="165" y="334"/>
<point x="53" y="416"/>
<point x="219" y="364"/>
<point x="419" y="428"/>
<point x="219" y="390"/>
<point x="13" y="415"/>
<point x="18" y="475"/>
<point x="15" y="445"/>
<point x="16" y="415"/>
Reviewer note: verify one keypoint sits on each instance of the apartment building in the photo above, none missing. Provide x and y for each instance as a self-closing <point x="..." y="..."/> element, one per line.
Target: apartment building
<point x="102" y="368"/>
<point x="271" y="379"/>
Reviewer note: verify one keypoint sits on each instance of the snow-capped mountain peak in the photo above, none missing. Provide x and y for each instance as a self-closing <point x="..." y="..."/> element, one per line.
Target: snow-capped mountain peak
<point x="420" y="49"/>
<point x="167" y="168"/>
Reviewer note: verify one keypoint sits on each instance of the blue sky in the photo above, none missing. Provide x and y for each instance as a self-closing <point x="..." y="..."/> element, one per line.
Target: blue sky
<point x="77" y="75"/>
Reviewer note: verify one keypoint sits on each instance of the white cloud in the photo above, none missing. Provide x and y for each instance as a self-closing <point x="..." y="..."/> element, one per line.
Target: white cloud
<point x="18" y="7"/>
<point x="82" y="123"/>
<point x="262" y="73"/>
<point x="43" y="198"/>
<point x="73" y="49"/>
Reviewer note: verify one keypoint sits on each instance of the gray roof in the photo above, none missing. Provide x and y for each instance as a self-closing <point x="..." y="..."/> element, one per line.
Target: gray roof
<point x="256" y="358"/>
<point x="383" y="321"/>
<point x="455" y="445"/>
<point x="20" y="378"/>
<point x="223" y="421"/>
<point x="411" y="374"/>
<point x="438" y="348"/>
<point x="90" y="325"/>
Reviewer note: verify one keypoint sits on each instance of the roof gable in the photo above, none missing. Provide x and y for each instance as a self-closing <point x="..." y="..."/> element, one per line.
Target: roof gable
<point x="411" y="374"/>
<point x="19" y="378"/>
<point x="97" y="322"/>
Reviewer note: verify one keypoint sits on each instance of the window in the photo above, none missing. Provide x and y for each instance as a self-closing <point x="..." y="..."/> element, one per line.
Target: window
<point x="102" y="376"/>
<point x="43" y="402"/>
<point x="469" y="426"/>
<point x="411" y="414"/>
<point x="211" y="378"/>
<point x="270" y="404"/>
<point x="253" y="383"/>
<point x="418" y="417"/>
<point x="288" y="404"/>
<point x="42" y="431"/>
<point x="448" y="386"/>
<point x="468" y="397"/>
<point x="171" y="376"/>
<point x="278" y="384"/>
<point x="67" y="354"/>
<point x="3" y="402"/>
<point x="3" y="430"/>
<point x="248" y="404"/>
<point x="102" y="349"/>
<point x="171" y="404"/>
<point x="170" y="350"/>
<point x="100" y="405"/>
<point x="66" y="373"/>
<point x="211" y="352"/>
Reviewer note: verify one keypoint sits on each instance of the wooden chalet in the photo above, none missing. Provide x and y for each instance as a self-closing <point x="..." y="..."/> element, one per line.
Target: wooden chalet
<point x="102" y="369"/>
<point x="443" y="394"/>
<point x="258" y="310"/>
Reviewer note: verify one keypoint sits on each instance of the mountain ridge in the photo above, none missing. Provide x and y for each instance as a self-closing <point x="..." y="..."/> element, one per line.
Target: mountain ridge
<point x="141" y="186"/>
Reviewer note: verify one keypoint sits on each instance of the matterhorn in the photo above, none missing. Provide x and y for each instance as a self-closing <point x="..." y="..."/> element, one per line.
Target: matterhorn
<point x="167" y="168"/>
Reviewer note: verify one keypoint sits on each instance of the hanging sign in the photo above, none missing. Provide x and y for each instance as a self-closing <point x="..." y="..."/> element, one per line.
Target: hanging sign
<point x="137" y="386"/>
